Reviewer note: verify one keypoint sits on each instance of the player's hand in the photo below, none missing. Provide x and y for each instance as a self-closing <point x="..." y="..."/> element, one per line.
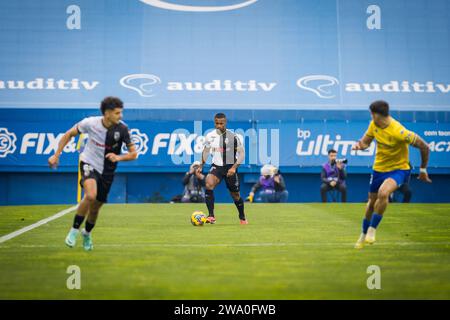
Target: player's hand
<point x="53" y="161"/>
<point x="112" y="157"/>
<point x="357" y="146"/>
<point x="333" y="183"/>
<point x="423" y="176"/>
<point x="339" y="165"/>
<point x="231" y="172"/>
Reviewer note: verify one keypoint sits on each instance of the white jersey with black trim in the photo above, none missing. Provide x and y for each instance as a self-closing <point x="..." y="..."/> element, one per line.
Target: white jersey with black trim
<point x="223" y="147"/>
<point x="101" y="141"/>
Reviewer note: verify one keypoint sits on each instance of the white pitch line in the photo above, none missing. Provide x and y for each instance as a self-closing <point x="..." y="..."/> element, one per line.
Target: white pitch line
<point x="37" y="224"/>
<point x="266" y="244"/>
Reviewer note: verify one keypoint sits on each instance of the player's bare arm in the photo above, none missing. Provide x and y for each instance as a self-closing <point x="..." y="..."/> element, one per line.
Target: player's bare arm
<point x="420" y="144"/>
<point x="205" y="155"/>
<point x="53" y="161"/>
<point x="131" y="155"/>
<point x="363" y="144"/>
<point x="239" y="160"/>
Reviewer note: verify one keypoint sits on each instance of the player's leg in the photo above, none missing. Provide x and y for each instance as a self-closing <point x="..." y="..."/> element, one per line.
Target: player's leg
<point x="376" y="179"/>
<point x="389" y="185"/>
<point x="90" y="193"/>
<point x="406" y="191"/>
<point x="366" y="220"/>
<point x="239" y="203"/>
<point x="103" y="186"/>
<point x="90" y="223"/>
<point x="233" y="186"/>
<point x="211" y="182"/>
<point x="369" y="208"/>
<point x="93" y="215"/>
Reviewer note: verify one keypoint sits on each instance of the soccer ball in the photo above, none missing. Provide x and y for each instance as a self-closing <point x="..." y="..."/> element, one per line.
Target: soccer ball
<point x="198" y="218"/>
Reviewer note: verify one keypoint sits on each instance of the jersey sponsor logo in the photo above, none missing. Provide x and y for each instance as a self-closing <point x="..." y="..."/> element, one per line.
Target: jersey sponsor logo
<point x="170" y="5"/>
<point x="98" y="144"/>
<point x="116" y="136"/>
<point x="140" y="141"/>
<point x="7" y="142"/>
<point x="219" y="149"/>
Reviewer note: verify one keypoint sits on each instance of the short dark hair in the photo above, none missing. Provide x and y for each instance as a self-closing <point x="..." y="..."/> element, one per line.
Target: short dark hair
<point x="220" y="115"/>
<point x="111" y="103"/>
<point x="332" y="151"/>
<point x="380" y="107"/>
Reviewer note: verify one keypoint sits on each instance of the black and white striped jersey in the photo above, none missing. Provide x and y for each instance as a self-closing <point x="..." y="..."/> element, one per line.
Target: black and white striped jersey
<point x="223" y="147"/>
<point x="101" y="141"/>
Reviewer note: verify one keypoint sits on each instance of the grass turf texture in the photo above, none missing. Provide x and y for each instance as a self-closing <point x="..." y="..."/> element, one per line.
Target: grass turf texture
<point x="288" y="251"/>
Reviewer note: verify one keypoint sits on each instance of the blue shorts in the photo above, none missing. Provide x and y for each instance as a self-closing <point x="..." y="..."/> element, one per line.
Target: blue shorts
<point x="377" y="178"/>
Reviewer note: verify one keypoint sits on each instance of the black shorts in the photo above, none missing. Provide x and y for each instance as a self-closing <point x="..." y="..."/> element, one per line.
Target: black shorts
<point x="221" y="172"/>
<point x="104" y="182"/>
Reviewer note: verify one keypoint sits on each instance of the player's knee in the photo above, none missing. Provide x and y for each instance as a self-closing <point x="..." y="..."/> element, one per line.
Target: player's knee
<point x="91" y="196"/>
<point x="383" y="195"/>
<point x="209" y="186"/>
<point x="235" y="195"/>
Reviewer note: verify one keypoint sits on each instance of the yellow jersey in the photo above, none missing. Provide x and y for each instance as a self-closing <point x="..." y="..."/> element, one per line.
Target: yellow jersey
<point x="392" y="146"/>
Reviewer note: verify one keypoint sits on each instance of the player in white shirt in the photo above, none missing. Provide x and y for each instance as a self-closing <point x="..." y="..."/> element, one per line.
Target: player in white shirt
<point x="106" y="134"/>
<point x="228" y="153"/>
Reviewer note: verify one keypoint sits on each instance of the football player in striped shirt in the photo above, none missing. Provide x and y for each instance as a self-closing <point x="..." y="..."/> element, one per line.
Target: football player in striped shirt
<point x="98" y="162"/>
<point x="228" y="153"/>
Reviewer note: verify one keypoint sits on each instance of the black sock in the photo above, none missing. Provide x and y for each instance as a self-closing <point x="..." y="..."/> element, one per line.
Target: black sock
<point x="240" y="206"/>
<point x="209" y="199"/>
<point x="89" y="226"/>
<point x="77" y="221"/>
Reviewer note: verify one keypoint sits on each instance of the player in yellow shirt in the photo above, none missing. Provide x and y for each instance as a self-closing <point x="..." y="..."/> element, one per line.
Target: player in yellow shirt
<point x="391" y="167"/>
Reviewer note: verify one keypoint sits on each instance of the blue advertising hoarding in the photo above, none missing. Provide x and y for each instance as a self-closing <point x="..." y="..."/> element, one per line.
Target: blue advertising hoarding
<point x="254" y="54"/>
<point x="173" y="145"/>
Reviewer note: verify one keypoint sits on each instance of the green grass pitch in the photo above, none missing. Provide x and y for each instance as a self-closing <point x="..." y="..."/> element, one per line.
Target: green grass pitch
<point x="288" y="251"/>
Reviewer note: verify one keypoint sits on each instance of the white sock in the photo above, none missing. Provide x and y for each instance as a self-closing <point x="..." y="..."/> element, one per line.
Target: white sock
<point x="85" y="233"/>
<point x="74" y="230"/>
